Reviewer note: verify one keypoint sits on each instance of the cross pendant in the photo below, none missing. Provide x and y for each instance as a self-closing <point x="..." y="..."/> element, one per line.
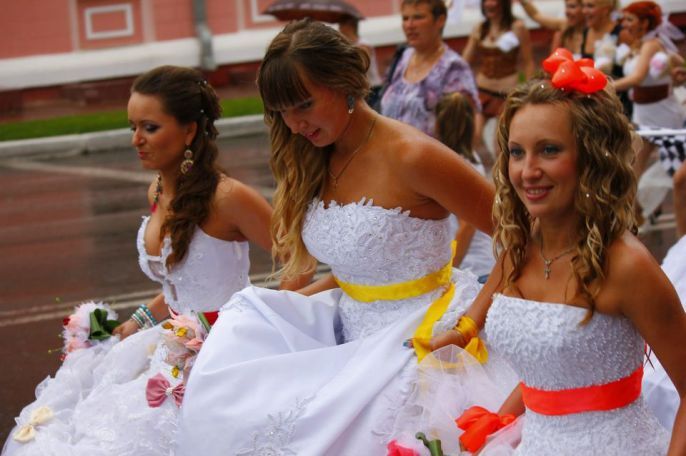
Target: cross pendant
<point x="547" y="269"/>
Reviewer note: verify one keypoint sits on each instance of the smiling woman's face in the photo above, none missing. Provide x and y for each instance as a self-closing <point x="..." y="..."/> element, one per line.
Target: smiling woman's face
<point x="542" y="164"/>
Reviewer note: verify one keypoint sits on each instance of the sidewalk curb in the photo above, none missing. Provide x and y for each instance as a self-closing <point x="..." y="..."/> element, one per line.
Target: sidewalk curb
<point x="114" y="139"/>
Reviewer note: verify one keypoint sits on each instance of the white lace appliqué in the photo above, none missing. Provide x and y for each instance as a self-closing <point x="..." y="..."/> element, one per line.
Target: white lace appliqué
<point x="275" y="438"/>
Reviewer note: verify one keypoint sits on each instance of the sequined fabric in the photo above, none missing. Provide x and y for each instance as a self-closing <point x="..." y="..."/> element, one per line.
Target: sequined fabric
<point x="549" y="349"/>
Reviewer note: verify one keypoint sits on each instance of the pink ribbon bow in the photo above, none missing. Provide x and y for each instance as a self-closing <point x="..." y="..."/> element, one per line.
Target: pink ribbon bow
<point x="159" y="389"/>
<point x="568" y="74"/>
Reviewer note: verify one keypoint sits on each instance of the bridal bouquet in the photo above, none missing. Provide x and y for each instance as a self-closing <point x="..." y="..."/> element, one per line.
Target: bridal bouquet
<point x="183" y="338"/>
<point x="90" y="324"/>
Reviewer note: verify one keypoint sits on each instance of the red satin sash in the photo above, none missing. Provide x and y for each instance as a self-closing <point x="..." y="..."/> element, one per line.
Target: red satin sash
<point x="211" y="317"/>
<point x="592" y="398"/>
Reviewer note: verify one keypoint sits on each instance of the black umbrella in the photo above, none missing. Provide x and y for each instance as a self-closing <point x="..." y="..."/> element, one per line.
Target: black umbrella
<point x="320" y="10"/>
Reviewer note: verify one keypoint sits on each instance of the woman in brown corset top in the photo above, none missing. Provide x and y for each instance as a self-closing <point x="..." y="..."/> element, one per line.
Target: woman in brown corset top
<point x="568" y="30"/>
<point x="495" y="48"/>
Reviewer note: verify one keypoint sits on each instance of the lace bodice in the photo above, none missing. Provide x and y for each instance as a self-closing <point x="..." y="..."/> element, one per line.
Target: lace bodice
<point x="371" y="245"/>
<point x="205" y="279"/>
<point x="550" y="350"/>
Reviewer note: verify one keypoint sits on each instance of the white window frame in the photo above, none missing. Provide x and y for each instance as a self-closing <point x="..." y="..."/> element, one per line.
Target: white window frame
<point x="89" y="12"/>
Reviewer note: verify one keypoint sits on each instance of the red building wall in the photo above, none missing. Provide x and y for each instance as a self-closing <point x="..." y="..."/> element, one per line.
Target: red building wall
<point x="30" y="27"/>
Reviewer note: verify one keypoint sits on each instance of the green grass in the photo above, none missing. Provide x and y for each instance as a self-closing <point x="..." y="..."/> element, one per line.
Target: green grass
<point x="109" y="120"/>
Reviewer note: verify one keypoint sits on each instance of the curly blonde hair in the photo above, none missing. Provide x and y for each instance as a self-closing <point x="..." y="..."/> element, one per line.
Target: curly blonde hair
<point x="606" y="191"/>
<point x="311" y="50"/>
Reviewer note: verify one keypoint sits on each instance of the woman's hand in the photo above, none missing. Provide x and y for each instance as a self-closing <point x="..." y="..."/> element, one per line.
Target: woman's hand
<point x="125" y="329"/>
<point x="450" y="337"/>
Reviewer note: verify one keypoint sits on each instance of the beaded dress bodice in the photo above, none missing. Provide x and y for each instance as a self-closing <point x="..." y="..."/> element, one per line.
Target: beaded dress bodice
<point x="212" y="271"/>
<point x="550" y="350"/>
<point x="370" y="245"/>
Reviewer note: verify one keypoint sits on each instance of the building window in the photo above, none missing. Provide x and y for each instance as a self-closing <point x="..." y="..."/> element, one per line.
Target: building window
<point x="112" y="21"/>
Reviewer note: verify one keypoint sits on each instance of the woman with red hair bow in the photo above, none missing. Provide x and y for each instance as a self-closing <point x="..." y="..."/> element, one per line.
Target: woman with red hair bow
<point x="574" y="297"/>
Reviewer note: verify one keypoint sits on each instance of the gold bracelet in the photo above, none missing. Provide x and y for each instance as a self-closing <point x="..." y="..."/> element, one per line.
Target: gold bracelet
<point x="467" y="327"/>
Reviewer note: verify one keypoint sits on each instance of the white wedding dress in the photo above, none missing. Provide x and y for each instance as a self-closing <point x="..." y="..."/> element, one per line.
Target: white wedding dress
<point x="286" y="374"/>
<point x="550" y="351"/>
<point x="98" y="396"/>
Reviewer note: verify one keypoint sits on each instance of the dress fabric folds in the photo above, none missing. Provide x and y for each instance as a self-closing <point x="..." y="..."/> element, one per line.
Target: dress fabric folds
<point x="98" y="396"/>
<point x="286" y="374"/>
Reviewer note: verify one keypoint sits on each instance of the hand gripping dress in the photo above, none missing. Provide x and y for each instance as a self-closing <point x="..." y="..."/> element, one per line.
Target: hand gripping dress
<point x="112" y="415"/>
<point x="564" y="367"/>
<point x="286" y="374"/>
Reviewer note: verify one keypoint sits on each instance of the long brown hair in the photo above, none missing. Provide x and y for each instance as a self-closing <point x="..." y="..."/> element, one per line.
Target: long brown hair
<point x="506" y="19"/>
<point x="325" y="57"/>
<point x="607" y="184"/>
<point x="186" y="96"/>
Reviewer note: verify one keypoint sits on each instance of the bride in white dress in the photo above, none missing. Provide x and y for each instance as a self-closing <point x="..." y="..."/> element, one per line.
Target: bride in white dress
<point x="282" y="373"/>
<point x="98" y="397"/>
<point x="575" y="296"/>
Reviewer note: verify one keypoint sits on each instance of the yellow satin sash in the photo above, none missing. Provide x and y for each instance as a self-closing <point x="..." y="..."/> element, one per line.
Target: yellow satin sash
<point x="411" y="289"/>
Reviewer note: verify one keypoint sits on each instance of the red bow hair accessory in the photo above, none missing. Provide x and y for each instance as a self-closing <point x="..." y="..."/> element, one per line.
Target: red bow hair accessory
<point x="568" y="74"/>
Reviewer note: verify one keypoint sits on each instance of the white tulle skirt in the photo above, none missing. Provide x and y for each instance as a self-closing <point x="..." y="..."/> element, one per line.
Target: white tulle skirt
<point x="99" y="405"/>
<point x="274" y="378"/>
<point x="448" y="382"/>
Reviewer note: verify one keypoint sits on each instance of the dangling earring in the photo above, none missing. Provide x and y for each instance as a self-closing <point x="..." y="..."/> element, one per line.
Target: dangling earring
<point x="187" y="163"/>
<point x="351" y="104"/>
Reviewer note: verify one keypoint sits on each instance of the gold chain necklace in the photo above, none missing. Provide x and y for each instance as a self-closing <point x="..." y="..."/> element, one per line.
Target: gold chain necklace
<point x="548" y="262"/>
<point x="335" y="177"/>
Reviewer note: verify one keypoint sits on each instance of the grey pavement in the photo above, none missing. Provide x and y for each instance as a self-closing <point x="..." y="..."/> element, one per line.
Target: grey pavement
<point x="69" y="213"/>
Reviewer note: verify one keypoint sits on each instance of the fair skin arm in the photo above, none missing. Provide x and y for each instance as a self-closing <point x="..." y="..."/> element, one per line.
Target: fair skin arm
<point x="548" y="22"/>
<point x="159" y="310"/>
<point x="556" y="41"/>
<point x="469" y="51"/>
<point x="241" y="207"/>
<point x="649" y="300"/>
<point x="648" y="50"/>
<point x="525" y="52"/>
<point x="463" y="237"/>
<point x="433" y="171"/>
<point x="325" y="283"/>
<point x="477" y="310"/>
<point x="679" y="75"/>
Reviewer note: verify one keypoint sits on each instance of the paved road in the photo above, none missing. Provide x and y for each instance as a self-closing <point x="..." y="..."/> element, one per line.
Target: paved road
<point x="67" y="230"/>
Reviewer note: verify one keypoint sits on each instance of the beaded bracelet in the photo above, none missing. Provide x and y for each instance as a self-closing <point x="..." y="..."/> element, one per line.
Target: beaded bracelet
<point x="144" y="317"/>
<point x="149" y="315"/>
<point x="138" y="320"/>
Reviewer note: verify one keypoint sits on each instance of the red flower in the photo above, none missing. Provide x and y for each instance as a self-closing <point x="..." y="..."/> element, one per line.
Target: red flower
<point x="65" y="321"/>
<point x="397" y="450"/>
